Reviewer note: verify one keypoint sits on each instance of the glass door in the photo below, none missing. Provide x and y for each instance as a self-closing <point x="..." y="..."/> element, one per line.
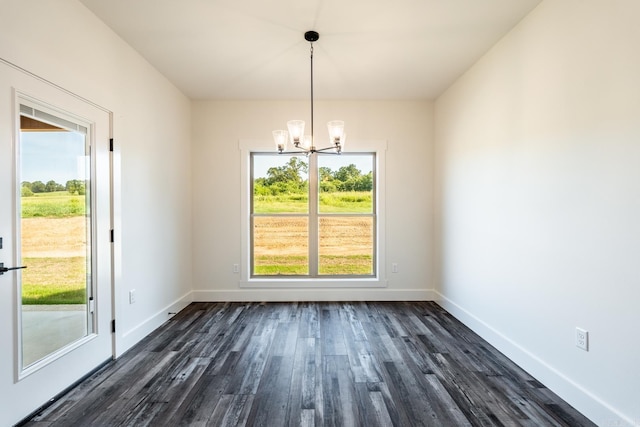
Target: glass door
<point x="55" y="238"/>
<point x="55" y="219"/>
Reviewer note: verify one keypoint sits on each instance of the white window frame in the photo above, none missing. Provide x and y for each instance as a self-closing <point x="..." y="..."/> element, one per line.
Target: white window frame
<point x="246" y="147"/>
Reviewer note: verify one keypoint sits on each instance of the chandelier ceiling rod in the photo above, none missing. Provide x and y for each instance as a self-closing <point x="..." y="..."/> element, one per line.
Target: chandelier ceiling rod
<point x="305" y="144"/>
<point x="311" y="36"/>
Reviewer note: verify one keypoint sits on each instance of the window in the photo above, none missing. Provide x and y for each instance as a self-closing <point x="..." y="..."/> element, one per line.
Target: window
<point x="313" y="217"/>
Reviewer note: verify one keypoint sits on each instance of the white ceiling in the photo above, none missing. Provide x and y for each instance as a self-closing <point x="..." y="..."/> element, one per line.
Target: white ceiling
<point x="255" y="49"/>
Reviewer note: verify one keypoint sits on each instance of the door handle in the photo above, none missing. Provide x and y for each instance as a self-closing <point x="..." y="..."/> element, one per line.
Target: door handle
<point x="4" y="269"/>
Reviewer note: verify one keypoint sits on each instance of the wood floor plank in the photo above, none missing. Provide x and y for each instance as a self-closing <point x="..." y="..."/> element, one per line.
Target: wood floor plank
<point x="311" y="364"/>
<point x="231" y="411"/>
<point x="285" y="339"/>
<point x="363" y="363"/>
<point x="271" y="398"/>
<point x="307" y="419"/>
<point x="382" y="417"/>
<point x="309" y="324"/>
<point x="175" y="391"/>
<point x="196" y="409"/>
<point x="407" y="392"/>
<point x="302" y="390"/>
<point x="340" y="408"/>
<point x="333" y="343"/>
<point x="469" y="393"/>
<point x="206" y="394"/>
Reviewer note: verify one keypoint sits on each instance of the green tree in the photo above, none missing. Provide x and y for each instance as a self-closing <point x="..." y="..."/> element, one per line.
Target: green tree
<point x="345" y="173"/>
<point x="25" y="191"/>
<point x="325" y="174"/>
<point x="52" y="186"/>
<point x="364" y="182"/>
<point x="287" y="178"/>
<point x="75" y="186"/>
<point x="328" y="186"/>
<point x="38" y="187"/>
<point x="350" y="178"/>
<point x="327" y="180"/>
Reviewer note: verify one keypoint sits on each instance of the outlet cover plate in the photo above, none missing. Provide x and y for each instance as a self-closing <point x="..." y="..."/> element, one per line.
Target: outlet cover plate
<point x="582" y="339"/>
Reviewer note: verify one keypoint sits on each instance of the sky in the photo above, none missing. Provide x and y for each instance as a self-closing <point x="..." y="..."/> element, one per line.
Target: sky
<point x="58" y="156"/>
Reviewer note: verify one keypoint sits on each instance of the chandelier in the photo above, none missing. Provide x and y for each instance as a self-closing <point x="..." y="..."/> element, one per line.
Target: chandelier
<point x="305" y="144"/>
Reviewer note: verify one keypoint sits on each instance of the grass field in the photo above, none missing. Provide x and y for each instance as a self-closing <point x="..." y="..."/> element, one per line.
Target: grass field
<point x="274" y="265"/>
<point x="352" y="202"/>
<point x="58" y="204"/>
<point x="54" y="238"/>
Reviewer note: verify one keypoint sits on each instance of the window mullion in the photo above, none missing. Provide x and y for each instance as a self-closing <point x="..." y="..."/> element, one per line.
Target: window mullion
<point x="313" y="216"/>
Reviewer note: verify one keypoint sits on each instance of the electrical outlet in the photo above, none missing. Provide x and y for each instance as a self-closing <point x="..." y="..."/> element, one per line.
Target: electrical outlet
<point x="394" y="267"/>
<point x="582" y="339"/>
<point x="236" y="268"/>
<point x="132" y="296"/>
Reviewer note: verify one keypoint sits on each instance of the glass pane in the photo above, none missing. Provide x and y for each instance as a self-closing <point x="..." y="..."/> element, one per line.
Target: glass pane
<point x="346" y="183"/>
<point x="55" y="238"/>
<point x="280" y="184"/>
<point x="346" y="246"/>
<point x="280" y="246"/>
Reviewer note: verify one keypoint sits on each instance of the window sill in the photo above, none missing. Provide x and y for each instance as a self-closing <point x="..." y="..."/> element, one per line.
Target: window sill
<point x="298" y="283"/>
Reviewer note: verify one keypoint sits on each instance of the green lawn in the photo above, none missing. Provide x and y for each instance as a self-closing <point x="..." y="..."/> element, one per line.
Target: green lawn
<point x="51" y="295"/>
<point x="276" y="265"/>
<point x="297" y="265"/>
<point x="337" y="202"/>
<point x="346" y="202"/>
<point x="58" y="204"/>
<point x="54" y="281"/>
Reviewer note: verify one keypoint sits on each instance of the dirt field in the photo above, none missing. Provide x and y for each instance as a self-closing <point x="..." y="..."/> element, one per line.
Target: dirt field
<point x="66" y="237"/>
<point x="54" y="237"/>
<point x="288" y="236"/>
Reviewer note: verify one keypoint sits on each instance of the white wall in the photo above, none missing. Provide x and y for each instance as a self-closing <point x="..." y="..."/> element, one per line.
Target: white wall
<point x="538" y="189"/>
<point x="66" y="44"/>
<point x="218" y="126"/>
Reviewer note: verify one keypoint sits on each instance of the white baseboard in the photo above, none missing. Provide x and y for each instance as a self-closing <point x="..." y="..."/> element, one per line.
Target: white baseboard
<point x="333" y="294"/>
<point x="134" y="335"/>
<point x="583" y="400"/>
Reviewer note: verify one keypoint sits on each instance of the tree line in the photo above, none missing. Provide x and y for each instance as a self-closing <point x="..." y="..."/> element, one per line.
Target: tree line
<point x="73" y="186"/>
<point x="289" y="179"/>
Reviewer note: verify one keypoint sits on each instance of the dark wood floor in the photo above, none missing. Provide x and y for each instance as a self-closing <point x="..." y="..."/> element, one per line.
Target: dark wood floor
<point x="306" y="364"/>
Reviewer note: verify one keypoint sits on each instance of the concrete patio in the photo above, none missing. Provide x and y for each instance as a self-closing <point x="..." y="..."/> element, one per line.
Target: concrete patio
<point x="47" y="328"/>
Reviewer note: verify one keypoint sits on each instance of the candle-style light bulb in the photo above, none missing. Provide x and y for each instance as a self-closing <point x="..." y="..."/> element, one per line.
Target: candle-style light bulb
<point x="336" y="131"/>
<point x="296" y="131"/>
<point x="280" y="137"/>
